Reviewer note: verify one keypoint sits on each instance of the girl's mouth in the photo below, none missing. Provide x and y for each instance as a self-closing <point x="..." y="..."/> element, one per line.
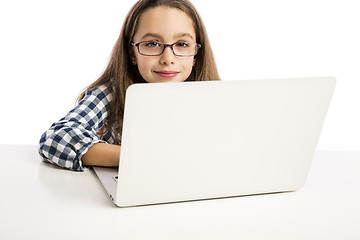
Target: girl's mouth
<point x="167" y="74"/>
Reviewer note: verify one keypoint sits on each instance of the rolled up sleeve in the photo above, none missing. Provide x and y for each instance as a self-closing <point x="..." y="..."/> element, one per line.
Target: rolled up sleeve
<point x="67" y="140"/>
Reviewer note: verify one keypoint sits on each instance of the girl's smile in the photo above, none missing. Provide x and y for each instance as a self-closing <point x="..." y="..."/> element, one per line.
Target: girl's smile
<point x="167" y="74"/>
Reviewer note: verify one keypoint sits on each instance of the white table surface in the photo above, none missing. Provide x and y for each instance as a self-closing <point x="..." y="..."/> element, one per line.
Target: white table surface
<point x="39" y="201"/>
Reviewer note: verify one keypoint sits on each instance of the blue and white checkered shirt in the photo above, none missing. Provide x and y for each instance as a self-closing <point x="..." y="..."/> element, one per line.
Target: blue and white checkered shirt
<point x="67" y="140"/>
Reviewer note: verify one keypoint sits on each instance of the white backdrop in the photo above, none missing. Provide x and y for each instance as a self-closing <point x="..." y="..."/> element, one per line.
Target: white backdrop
<point x="51" y="50"/>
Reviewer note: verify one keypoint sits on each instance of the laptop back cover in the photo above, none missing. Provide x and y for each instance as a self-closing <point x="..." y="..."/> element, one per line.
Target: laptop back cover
<point x="201" y="140"/>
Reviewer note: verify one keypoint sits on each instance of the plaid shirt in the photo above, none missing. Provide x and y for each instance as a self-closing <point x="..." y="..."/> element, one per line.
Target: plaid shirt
<point x="67" y="140"/>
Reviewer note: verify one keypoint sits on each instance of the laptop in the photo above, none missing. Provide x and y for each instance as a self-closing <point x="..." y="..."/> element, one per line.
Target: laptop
<point x="214" y="139"/>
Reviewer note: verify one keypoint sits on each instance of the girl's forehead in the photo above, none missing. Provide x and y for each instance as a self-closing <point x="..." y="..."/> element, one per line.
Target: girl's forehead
<point x="165" y="22"/>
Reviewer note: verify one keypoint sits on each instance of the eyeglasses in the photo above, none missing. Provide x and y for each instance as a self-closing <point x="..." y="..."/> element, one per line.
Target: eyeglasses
<point x="180" y="48"/>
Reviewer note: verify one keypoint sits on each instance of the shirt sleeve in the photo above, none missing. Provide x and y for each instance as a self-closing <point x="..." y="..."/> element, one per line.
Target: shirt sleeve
<point x="67" y="140"/>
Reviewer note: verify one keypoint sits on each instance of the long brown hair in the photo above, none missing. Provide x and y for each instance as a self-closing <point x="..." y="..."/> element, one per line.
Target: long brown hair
<point x="120" y="73"/>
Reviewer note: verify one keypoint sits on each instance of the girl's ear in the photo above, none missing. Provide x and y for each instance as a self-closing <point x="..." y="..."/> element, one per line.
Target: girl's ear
<point x="133" y="61"/>
<point x="132" y="57"/>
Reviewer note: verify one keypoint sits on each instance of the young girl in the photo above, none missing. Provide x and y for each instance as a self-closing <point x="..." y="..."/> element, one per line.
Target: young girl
<point x="160" y="41"/>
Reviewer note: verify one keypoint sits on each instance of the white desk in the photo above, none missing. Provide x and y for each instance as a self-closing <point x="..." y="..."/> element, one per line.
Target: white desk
<point x="39" y="201"/>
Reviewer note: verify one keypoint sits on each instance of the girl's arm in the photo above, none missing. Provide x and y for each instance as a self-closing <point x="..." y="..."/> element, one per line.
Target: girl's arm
<point x="68" y="140"/>
<point x="102" y="154"/>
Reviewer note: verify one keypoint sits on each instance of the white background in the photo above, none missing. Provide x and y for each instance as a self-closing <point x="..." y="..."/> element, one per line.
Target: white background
<point x="51" y="50"/>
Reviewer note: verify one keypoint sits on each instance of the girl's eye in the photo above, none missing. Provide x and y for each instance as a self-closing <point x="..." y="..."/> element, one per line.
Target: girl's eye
<point x="182" y="44"/>
<point x="152" y="44"/>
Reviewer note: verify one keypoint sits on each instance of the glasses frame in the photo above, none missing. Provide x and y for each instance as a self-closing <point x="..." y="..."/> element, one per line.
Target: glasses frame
<point x="137" y="45"/>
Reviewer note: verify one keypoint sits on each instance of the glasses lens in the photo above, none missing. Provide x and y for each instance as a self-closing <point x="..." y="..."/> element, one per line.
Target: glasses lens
<point x="151" y="48"/>
<point x="184" y="48"/>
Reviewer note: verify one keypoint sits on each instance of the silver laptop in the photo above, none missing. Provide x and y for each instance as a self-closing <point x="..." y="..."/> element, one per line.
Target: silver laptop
<point x="205" y="140"/>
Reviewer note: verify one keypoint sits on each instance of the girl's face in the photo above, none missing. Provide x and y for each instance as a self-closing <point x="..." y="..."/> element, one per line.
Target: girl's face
<point x="165" y="25"/>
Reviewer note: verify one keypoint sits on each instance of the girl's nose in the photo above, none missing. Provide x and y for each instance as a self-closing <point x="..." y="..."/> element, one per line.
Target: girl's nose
<point x="167" y="57"/>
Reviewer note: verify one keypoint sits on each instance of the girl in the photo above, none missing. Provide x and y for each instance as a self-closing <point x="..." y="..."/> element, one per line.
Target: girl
<point x="160" y="41"/>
